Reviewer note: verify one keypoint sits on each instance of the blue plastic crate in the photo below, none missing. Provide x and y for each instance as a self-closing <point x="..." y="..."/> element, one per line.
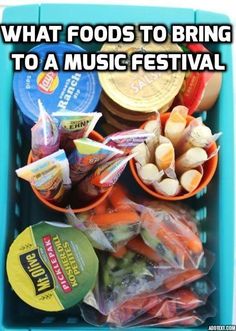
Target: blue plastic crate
<point x="19" y="208"/>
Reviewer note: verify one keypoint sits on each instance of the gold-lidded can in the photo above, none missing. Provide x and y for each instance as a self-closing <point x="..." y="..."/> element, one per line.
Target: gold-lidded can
<point x="123" y="113"/>
<point x="142" y="91"/>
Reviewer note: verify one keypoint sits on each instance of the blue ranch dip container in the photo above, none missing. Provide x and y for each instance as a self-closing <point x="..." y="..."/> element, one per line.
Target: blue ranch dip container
<point x="62" y="90"/>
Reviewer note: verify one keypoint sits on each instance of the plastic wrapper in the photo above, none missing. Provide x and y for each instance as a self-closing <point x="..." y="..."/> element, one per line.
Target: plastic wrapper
<point x="196" y="134"/>
<point x="179" y="210"/>
<point x="167" y="187"/>
<point x="193" y="318"/>
<point x="176" y="124"/>
<point x="165" y="159"/>
<point x="144" y="308"/>
<point x="191" y="179"/>
<point x="87" y="154"/>
<point x="153" y="126"/>
<point x="110" y="225"/>
<point x="142" y="154"/>
<point x="44" y="135"/>
<point x="74" y="125"/>
<point x="49" y="176"/>
<point x="149" y="173"/>
<point x="103" y="177"/>
<point x="174" y="241"/>
<point x="132" y="274"/>
<point x="127" y="140"/>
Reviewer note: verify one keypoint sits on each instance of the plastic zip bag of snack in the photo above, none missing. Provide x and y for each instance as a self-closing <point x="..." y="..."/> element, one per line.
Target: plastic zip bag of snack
<point x="111" y="224"/>
<point x="144" y="308"/>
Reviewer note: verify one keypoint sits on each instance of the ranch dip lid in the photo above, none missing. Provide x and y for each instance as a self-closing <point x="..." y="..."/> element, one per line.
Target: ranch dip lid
<point x="76" y="91"/>
<point x="51" y="266"/>
<point x="142" y="91"/>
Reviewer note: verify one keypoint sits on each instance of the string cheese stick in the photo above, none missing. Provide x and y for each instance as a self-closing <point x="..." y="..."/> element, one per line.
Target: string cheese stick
<point x="165" y="156"/>
<point x="142" y="154"/>
<point x="164" y="140"/>
<point x="153" y="126"/>
<point x="191" y="159"/>
<point x="168" y="187"/>
<point x="176" y="123"/>
<point x="190" y="179"/>
<point x="149" y="173"/>
<point x="195" y="135"/>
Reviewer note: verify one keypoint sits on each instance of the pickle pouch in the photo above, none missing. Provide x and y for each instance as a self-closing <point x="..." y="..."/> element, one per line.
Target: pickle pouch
<point x="87" y="155"/>
<point x="49" y="176"/>
<point x="127" y="140"/>
<point x="51" y="266"/>
<point x="73" y="125"/>
<point x="44" y="135"/>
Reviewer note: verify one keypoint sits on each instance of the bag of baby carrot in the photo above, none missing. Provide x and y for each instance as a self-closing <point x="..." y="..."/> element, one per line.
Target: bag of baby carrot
<point x="111" y="224"/>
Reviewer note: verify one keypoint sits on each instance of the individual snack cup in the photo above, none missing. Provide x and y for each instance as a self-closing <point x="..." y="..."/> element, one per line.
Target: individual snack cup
<point x="51" y="266"/>
<point x="78" y="91"/>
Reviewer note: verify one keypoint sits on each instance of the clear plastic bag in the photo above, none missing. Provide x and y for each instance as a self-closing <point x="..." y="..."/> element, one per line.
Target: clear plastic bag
<point x="193" y="318"/>
<point x="110" y="225"/>
<point x="167" y="305"/>
<point x="174" y="241"/>
<point x="131" y="275"/>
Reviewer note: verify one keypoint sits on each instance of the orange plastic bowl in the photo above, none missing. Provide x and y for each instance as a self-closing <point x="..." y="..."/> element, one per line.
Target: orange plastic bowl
<point x="95" y="136"/>
<point x="209" y="168"/>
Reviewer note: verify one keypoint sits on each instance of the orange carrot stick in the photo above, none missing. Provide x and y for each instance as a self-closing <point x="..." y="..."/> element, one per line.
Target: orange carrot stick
<point x="137" y="245"/>
<point x="120" y="252"/>
<point x="113" y="219"/>
<point x="102" y="207"/>
<point x="183" y="278"/>
<point x="117" y="196"/>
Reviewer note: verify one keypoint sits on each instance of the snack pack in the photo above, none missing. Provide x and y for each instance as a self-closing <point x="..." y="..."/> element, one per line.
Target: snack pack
<point x="127" y="140"/>
<point x="49" y="176"/>
<point x="87" y="154"/>
<point x="104" y="176"/>
<point x="73" y="125"/>
<point x="44" y="135"/>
